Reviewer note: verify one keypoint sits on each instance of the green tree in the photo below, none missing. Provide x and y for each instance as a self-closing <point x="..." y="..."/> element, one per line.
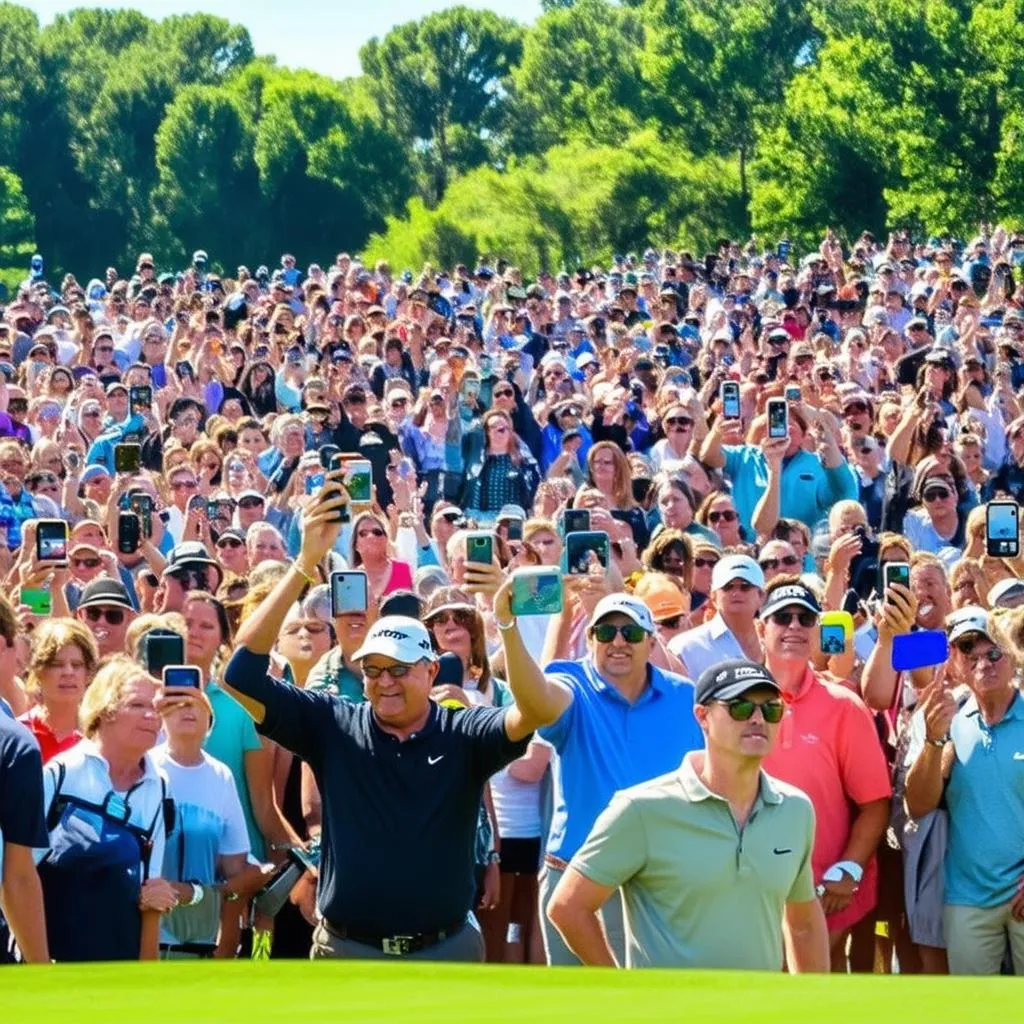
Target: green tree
<point x="17" y="227"/>
<point x="580" y="76"/>
<point x="440" y="81"/>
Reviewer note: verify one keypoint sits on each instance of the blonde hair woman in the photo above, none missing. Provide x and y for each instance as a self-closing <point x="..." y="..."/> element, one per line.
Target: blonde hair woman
<point x="63" y="659"/>
<point x="107" y="820"/>
<point x="608" y="471"/>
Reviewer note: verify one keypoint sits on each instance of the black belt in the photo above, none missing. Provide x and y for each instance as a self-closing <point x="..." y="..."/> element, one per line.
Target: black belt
<point x="199" y="949"/>
<point x="395" y="945"/>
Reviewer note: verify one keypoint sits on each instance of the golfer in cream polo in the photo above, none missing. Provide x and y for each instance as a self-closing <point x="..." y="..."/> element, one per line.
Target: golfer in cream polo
<point x="714" y="859"/>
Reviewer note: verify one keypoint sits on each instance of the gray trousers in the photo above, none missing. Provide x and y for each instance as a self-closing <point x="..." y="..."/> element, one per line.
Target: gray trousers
<point x="466" y="945"/>
<point x="556" y="951"/>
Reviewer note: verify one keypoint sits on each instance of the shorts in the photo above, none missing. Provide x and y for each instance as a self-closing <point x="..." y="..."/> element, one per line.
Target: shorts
<point x="520" y="856"/>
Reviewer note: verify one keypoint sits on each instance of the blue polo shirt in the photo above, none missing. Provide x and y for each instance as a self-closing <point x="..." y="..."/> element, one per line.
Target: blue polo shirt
<point x="985" y="798"/>
<point x="807" y="491"/>
<point x="604" y="744"/>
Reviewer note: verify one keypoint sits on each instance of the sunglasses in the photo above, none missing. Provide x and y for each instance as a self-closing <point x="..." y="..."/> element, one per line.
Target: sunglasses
<point x="855" y="408"/>
<point x="184" y="485"/>
<point x="503" y="393"/>
<point x="936" y="494"/>
<point x="113" y="616"/>
<point x="251" y="503"/>
<point x="992" y="655"/>
<point x="672" y="622"/>
<point x="376" y="531"/>
<point x="742" y="710"/>
<point x="785" y="618"/>
<point x="399" y="402"/>
<point x="229" y="542"/>
<point x="85" y="563"/>
<point x="376" y="671"/>
<point x="461" y="617"/>
<point x="727" y="516"/>
<point x="605" y="633"/>
<point x="771" y="564"/>
<point x="679" y="421"/>
<point x="705" y="563"/>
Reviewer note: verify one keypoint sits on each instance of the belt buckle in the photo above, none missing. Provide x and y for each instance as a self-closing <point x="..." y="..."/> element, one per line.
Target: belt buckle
<point x="397" y="945"/>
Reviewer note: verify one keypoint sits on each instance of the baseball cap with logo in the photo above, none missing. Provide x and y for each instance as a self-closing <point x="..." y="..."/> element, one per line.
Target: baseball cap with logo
<point x="1006" y="594"/>
<point x="400" y="638"/>
<point x="731" y="679"/>
<point x="737" y="567"/>
<point x="789" y="595"/>
<point x="661" y="595"/>
<point x="623" y="604"/>
<point x="968" y="621"/>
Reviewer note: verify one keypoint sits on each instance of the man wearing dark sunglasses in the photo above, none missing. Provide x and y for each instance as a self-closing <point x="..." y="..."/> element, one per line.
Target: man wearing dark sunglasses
<point x="831" y="751"/>
<point x="713" y="859"/>
<point x="972" y="762"/>
<point x="617" y="720"/>
<point x="106" y="611"/>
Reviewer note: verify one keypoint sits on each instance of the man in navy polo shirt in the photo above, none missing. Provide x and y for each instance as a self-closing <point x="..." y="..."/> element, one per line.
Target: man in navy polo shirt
<point x="400" y="777"/>
<point x="22" y="829"/>
<point x="617" y="720"/>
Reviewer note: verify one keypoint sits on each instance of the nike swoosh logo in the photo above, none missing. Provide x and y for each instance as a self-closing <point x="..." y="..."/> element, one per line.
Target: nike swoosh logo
<point x="779" y="852"/>
<point x="434" y="760"/>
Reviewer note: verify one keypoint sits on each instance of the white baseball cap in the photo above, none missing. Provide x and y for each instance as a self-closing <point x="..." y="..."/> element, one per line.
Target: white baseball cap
<point x="967" y="621"/>
<point x="736" y="567"/>
<point x="623" y="604"/>
<point x="400" y="638"/>
<point x="1004" y="594"/>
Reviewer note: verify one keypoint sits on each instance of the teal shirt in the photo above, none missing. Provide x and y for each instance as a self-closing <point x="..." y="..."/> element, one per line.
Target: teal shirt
<point x="808" y="490"/>
<point x="233" y="735"/>
<point x="985" y="799"/>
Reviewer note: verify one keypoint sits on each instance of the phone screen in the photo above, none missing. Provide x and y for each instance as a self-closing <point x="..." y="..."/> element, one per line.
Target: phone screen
<point x="480" y="548"/>
<point x="778" y="418"/>
<point x="127" y="458"/>
<point x="359" y="481"/>
<point x="349" y="592"/>
<point x="793" y="393"/>
<point x="514" y="529"/>
<point x="730" y="400"/>
<point x="38" y="601"/>
<point x="1002" y="539"/>
<point x="833" y="639"/>
<point x="584" y="550"/>
<point x="52" y="540"/>
<point x="142" y="505"/>
<point x="140" y="398"/>
<point x="162" y="649"/>
<point x="127" y="532"/>
<point x="897" y="572"/>
<point x="182" y="675"/>
<point x="576" y="520"/>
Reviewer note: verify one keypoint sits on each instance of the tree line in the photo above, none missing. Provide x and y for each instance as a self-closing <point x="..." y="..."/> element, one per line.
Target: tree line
<point x="600" y="127"/>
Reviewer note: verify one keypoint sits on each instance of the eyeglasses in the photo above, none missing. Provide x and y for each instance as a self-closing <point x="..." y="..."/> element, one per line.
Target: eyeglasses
<point x="183" y="485"/>
<point x="461" y="617"/>
<point x="742" y="710"/>
<point x="605" y="632"/>
<point x="727" y="516"/>
<point x="679" y="421"/>
<point x="705" y="563"/>
<point x="993" y="655"/>
<point x="251" y="503"/>
<point x="771" y="564"/>
<point x="936" y="494"/>
<point x="85" y="563"/>
<point x="114" y="616"/>
<point x="376" y="671"/>
<point x="785" y="618"/>
<point x="229" y="542"/>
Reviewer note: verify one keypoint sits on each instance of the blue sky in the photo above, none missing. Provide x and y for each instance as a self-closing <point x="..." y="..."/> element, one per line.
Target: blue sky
<point x="323" y="35"/>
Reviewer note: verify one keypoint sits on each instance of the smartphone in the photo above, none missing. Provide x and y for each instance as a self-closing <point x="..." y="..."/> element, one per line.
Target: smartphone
<point x="536" y="590"/>
<point x="72" y="460"/>
<point x="480" y="547"/>
<point x="793" y="393"/>
<point x="182" y="675"/>
<point x="349" y="593"/>
<point x="1002" y="535"/>
<point x="359" y="481"/>
<point x="127" y="458"/>
<point x="513" y="529"/>
<point x="161" y="647"/>
<point x="778" y="418"/>
<point x="37" y="600"/>
<point x="184" y="370"/>
<point x="140" y="398"/>
<point x="832" y="639"/>
<point x="581" y="549"/>
<point x="575" y="520"/>
<point x="142" y="505"/>
<point x="730" y="395"/>
<point x="327" y="453"/>
<point x="922" y="649"/>
<point x="314" y="482"/>
<point x="197" y="503"/>
<point x="895" y="572"/>
<point x="52" y="541"/>
<point x="127" y="533"/>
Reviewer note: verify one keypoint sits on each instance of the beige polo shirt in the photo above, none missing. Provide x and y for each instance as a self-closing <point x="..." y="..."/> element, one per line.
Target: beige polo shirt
<point x="698" y="891"/>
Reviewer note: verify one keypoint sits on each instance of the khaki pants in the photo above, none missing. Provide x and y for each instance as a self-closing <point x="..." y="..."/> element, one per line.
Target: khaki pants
<point x="976" y="939"/>
<point x="466" y="946"/>
<point x="557" y="953"/>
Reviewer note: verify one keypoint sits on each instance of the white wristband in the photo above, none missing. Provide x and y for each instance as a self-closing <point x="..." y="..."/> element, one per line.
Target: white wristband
<point x="197" y="895"/>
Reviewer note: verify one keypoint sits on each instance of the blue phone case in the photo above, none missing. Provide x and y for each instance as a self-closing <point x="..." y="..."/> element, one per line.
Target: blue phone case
<point x="922" y="649"/>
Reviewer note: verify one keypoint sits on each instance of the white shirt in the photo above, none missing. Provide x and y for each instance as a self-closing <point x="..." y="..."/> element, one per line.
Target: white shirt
<point x="87" y="776"/>
<point x="706" y="645"/>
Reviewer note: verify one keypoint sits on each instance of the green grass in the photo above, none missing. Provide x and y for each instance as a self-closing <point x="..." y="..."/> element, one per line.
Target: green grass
<point x="321" y="993"/>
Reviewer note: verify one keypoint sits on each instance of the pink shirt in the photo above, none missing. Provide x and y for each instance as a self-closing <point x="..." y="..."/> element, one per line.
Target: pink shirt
<point x="828" y="747"/>
<point x="400" y="578"/>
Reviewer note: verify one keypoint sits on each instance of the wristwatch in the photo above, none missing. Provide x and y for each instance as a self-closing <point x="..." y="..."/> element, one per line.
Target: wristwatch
<point x="493" y="858"/>
<point x="940" y="743"/>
